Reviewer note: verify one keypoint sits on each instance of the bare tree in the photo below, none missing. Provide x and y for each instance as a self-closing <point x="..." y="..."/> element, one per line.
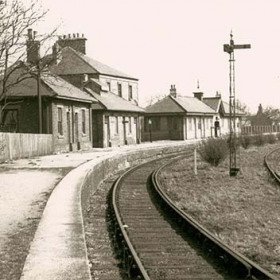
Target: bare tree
<point x="16" y="21"/>
<point x="154" y="99"/>
<point x="273" y="114"/>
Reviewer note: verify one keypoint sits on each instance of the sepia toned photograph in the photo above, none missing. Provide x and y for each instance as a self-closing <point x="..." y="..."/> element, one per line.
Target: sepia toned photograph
<point x="139" y="139"/>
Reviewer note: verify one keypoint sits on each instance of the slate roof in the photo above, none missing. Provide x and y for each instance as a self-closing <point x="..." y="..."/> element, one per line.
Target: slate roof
<point x="226" y="109"/>
<point x="212" y="102"/>
<point x="181" y="104"/>
<point x="51" y="85"/>
<point x="112" y="102"/>
<point x="65" y="90"/>
<point x="74" y="62"/>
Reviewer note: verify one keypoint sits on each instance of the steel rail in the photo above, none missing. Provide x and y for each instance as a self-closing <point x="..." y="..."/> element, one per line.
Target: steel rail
<point x="132" y="250"/>
<point x="275" y="175"/>
<point x="253" y="269"/>
<point x="121" y="225"/>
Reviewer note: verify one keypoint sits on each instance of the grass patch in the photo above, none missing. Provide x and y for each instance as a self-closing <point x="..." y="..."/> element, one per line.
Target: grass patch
<point x="242" y="211"/>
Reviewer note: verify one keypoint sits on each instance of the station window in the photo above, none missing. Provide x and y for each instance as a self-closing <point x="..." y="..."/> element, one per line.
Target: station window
<point x="117" y="125"/>
<point x="130" y="124"/>
<point x="156" y="123"/>
<point x="190" y="124"/>
<point x="109" y="86"/>
<point x="120" y="90"/>
<point x="84" y="121"/>
<point x="10" y="120"/>
<point x="59" y="121"/>
<point x="130" y="95"/>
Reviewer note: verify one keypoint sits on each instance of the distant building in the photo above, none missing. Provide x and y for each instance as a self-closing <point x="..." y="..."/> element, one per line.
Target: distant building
<point x="222" y="113"/>
<point x="178" y="117"/>
<point x="116" y="115"/>
<point x="260" y="119"/>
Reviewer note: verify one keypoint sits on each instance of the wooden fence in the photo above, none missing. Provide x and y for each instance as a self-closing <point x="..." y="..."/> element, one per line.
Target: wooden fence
<point x="260" y="129"/>
<point x="23" y="145"/>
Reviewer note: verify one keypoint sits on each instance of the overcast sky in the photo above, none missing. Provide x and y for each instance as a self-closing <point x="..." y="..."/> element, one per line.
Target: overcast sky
<point x="164" y="42"/>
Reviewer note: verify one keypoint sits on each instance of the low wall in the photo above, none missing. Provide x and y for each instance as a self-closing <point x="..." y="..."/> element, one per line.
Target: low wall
<point x="24" y="145"/>
<point x="58" y="250"/>
<point x="109" y="166"/>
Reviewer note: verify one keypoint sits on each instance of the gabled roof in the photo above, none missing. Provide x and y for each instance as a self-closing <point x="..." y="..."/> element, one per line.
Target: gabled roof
<point x="219" y="105"/>
<point x="226" y="110"/>
<point x="65" y="90"/>
<point x="194" y="105"/>
<point x="180" y="104"/>
<point x="74" y="62"/>
<point x="112" y="102"/>
<point x="213" y="102"/>
<point x="51" y="85"/>
<point x="165" y="105"/>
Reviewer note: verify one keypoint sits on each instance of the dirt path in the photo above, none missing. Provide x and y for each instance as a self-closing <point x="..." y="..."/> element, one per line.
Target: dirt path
<point x="23" y="195"/>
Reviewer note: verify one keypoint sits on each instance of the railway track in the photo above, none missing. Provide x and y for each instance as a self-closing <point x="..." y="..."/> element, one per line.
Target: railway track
<point x="155" y="240"/>
<point x="272" y="162"/>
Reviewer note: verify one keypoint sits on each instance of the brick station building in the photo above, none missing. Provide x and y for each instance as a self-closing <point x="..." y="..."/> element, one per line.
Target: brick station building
<point x="65" y="109"/>
<point x="116" y="114"/>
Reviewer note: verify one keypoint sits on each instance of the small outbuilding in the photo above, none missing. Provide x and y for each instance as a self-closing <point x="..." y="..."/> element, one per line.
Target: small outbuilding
<point x="177" y="117"/>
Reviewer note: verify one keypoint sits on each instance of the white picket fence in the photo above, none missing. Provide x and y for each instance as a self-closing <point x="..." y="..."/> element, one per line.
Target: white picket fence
<point x="256" y="129"/>
<point x="24" y="145"/>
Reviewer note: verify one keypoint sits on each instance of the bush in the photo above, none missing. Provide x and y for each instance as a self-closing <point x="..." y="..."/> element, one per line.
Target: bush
<point x="213" y="150"/>
<point x="245" y="141"/>
<point x="259" y="139"/>
<point x="270" y="138"/>
<point x="278" y="136"/>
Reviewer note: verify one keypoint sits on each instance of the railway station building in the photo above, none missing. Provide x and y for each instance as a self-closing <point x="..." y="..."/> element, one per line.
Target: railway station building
<point x="65" y="109"/>
<point x="115" y="117"/>
<point x="178" y="117"/>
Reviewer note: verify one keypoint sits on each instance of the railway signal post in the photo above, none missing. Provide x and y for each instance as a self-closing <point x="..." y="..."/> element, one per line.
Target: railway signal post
<point x="229" y="48"/>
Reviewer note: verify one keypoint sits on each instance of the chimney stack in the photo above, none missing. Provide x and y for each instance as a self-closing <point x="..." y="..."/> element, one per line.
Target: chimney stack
<point x="198" y="94"/>
<point x="32" y="47"/>
<point x="173" y="92"/>
<point x="75" y="42"/>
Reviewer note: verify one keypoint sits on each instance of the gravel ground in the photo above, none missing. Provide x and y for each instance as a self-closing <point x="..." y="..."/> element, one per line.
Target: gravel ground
<point x="23" y="195"/>
<point x="103" y="264"/>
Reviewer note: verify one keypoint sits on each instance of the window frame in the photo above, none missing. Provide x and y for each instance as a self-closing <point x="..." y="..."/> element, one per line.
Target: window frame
<point x="60" y="120"/>
<point x="130" y="92"/>
<point x="84" y="121"/>
<point x="119" y="89"/>
<point x="116" y="125"/>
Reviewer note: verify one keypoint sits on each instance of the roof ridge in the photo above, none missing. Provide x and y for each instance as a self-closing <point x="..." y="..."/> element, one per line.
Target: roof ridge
<point x="78" y="54"/>
<point x="86" y="59"/>
<point x="174" y="99"/>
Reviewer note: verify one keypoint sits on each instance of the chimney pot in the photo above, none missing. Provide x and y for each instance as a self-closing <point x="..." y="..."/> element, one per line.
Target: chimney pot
<point x="34" y="34"/>
<point x="29" y="33"/>
<point x="173" y="91"/>
<point x="76" y="42"/>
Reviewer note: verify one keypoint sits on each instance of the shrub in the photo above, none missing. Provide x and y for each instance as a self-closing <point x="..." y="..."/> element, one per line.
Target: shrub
<point x="245" y="141"/>
<point x="258" y="139"/>
<point x="213" y="150"/>
<point x="270" y="138"/>
<point x="278" y="136"/>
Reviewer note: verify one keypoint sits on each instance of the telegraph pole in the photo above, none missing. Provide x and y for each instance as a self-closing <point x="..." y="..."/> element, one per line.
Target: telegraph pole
<point x="229" y="48"/>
